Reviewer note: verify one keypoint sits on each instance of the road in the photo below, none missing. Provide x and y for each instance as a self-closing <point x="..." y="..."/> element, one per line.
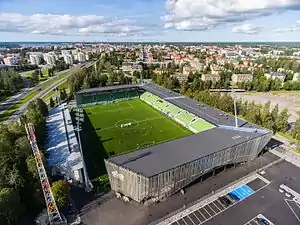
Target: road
<point x="24" y="92"/>
<point x="44" y="92"/>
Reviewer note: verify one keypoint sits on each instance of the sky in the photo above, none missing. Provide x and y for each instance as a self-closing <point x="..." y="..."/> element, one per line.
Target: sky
<point x="150" y="20"/>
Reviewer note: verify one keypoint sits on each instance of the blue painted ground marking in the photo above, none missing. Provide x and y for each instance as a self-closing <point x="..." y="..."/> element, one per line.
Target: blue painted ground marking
<point x="242" y="192"/>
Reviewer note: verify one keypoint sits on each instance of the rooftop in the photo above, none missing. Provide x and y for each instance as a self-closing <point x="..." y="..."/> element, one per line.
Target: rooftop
<point x="162" y="157"/>
<point x="108" y="88"/>
<point x="62" y="142"/>
<point x="204" y="111"/>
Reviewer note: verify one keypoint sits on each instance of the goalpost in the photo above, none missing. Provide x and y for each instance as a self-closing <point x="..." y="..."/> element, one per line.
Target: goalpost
<point x="126" y="125"/>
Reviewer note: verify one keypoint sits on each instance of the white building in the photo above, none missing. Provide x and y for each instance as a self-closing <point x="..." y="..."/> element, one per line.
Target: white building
<point x="131" y="67"/>
<point x="87" y="57"/>
<point x="238" y="78"/>
<point x="66" y="52"/>
<point x="12" y="60"/>
<point x="274" y="75"/>
<point x="35" y="59"/>
<point x="81" y="57"/>
<point x="296" y="77"/>
<point x="50" y="58"/>
<point x="68" y="58"/>
<point x="211" y="77"/>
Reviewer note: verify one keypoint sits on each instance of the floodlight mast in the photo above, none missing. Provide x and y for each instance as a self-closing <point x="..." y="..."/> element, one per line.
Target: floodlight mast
<point x="235" y="110"/>
<point x="88" y="184"/>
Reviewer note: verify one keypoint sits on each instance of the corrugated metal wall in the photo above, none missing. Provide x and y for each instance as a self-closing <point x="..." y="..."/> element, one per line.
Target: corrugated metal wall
<point x="127" y="182"/>
<point x="167" y="183"/>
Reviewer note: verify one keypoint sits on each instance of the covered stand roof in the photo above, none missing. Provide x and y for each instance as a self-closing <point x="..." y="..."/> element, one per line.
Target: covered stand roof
<point x="162" y="157"/>
<point x="62" y="145"/>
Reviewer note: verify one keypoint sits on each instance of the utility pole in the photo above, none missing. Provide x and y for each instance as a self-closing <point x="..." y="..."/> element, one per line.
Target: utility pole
<point x="79" y="120"/>
<point x="235" y="110"/>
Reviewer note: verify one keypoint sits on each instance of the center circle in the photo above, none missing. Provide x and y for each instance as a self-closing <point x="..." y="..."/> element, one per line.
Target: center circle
<point x="134" y="124"/>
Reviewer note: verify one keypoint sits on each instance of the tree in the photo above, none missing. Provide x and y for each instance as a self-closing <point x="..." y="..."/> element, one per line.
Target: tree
<point x="282" y="120"/>
<point x="60" y="191"/>
<point x="63" y="94"/>
<point x="11" y="208"/>
<point x="52" y="103"/>
<point x="41" y="106"/>
<point x="274" y="115"/>
<point x="41" y="73"/>
<point x="10" y="82"/>
<point x="35" y="76"/>
<point x="31" y="166"/>
<point x="295" y="131"/>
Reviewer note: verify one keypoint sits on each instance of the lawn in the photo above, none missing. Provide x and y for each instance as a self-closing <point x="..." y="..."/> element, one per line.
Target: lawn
<point x="148" y="126"/>
<point x="53" y="93"/>
<point x="103" y="136"/>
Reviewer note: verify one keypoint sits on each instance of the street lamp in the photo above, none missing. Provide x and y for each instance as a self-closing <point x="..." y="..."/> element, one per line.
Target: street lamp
<point x="235" y="110"/>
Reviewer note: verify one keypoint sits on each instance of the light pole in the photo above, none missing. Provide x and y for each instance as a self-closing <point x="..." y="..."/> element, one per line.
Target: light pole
<point x="80" y="119"/>
<point x="235" y="111"/>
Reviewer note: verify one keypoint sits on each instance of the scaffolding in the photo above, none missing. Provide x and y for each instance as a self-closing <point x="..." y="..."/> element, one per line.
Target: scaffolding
<point x="53" y="213"/>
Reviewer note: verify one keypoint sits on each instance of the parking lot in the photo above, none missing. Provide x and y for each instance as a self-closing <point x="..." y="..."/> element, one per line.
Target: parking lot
<point x="222" y="203"/>
<point x="276" y="205"/>
<point x="258" y="220"/>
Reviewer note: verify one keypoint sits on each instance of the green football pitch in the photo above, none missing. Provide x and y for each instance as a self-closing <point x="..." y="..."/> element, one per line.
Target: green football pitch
<point x="145" y="126"/>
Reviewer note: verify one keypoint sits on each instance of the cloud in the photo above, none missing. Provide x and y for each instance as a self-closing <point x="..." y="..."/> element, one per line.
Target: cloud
<point x="287" y="29"/>
<point x="65" y="24"/>
<point x="247" y="29"/>
<point x="293" y="28"/>
<point x="206" y="14"/>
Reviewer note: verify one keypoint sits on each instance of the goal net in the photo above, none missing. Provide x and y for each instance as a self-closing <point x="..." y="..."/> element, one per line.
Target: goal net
<point x="126" y="125"/>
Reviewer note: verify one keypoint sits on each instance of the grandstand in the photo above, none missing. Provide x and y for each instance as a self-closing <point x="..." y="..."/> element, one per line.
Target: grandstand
<point x="106" y="97"/>
<point x="162" y="166"/>
<point x="185" y="118"/>
<point x="199" y="125"/>
<point x="172" y="110"/>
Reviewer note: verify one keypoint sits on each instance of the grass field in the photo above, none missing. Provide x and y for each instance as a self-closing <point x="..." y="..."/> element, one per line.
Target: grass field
<point x="148" y="127"/>
<point x="103" y="136"/>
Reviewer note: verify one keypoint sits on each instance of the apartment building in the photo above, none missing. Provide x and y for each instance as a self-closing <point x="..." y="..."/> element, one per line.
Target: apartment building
<point x="211" y="77"/>
<point x="238" y="78"/>
<point x="68" y="58"/>
<point x="131" y="67"/>
<point x="35" y="58"/>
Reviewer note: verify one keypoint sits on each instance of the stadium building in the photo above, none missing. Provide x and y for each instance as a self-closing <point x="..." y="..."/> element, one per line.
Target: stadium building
<point x="156" y="172"/>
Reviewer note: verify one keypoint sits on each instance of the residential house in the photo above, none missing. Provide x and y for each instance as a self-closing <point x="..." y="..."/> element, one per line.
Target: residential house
<point x="274" y="75"/>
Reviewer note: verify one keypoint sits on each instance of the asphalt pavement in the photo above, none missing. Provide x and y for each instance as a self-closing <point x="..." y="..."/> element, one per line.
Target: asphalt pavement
<point x="24" y="92"/>
<point x="42" y="93"/>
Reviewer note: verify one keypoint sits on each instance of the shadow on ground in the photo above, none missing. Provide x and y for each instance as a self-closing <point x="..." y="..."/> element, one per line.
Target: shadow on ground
<point x="93" y="150"/>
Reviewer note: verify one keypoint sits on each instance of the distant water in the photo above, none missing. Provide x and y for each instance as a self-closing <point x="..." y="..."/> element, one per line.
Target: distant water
<point x="29" y="44"/>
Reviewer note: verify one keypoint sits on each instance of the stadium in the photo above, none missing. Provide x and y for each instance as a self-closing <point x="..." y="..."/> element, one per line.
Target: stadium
<point x="157" y="141"/>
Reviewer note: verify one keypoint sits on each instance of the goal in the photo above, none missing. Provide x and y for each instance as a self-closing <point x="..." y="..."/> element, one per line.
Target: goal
<point x="126" y="125"/>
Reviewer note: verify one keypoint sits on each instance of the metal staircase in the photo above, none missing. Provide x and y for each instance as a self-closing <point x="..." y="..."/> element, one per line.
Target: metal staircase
<point x="53" y="213"/>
